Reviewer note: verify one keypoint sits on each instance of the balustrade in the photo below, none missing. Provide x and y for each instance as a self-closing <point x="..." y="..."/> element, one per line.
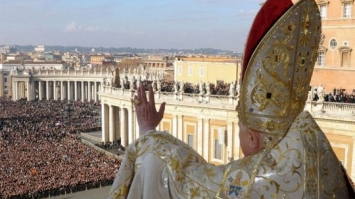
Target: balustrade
<point x="345" y="108"/>
<point x="218" y="100"/>
<point x="224" y="100"/>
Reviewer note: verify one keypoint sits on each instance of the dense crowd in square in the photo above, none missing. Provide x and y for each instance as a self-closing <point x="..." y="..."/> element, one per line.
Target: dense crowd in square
<point x="41" y="153"/>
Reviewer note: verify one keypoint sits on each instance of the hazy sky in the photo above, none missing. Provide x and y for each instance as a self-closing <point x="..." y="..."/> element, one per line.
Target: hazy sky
<point x="222" y="24"/>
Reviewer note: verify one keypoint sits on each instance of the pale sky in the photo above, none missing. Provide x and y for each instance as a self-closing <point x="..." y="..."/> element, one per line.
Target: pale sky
<point x="181" y="24"/>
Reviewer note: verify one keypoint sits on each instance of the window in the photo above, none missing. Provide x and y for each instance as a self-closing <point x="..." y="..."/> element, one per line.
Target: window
<point x="179" y="70"/>
<point x="202" y="71"/>
<point x="344" y="59"/>
<point x="190" y="140"/>
<point x="323" y="11"/>
<point x="5" y="79"/>
<point x="321" y="59"/>
<point x="347" y="10"/>
<point x="333" y="44"/>
<point x="345" y="54"/>
<point x="190" y="71"/>
<point x="217" y="150"/>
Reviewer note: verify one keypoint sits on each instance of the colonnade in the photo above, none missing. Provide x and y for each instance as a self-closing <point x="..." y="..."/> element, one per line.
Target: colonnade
<point x="118" y="123"/>
<point x="22" y="89"/>
<point x="56" y="90"/>
<point x="198" y="126"/>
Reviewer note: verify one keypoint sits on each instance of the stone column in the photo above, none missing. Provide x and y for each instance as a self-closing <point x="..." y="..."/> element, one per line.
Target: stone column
<point x="22" y="86"/>
<point x="180" y="127"/>
<point x="117" y="130"/>
<point x="75" y="90"/>
<point x="82" y="91"/>
<point x="14" y="90"/>
<point x="236" y="143"/>
<point x="17" y="91"/>
<point x="86" y="91"/>
<point x="199" y="136"/>
<point x="205" y="152"/>
<point x="24" y="91"/>
<point x="99" y="89"/>
<point x="130" y="126"/>
<point x="95" y="91"/>
<point x="175" y="126"/>
<point x="28" y="85"/>
<point x="40" y="90"/>
<point x="112" y="122"/>
<point x="89" y="91"/>
<point x="105" y="122"/>
<point x="62" y="90"/>
<point x="123" y="123"/>
<point x="33" y="90"/>
<point x="55" y="92"/>
<point x="50" y="89"/>
<point x="69" y="96"/>
<point x="230" y="143"/>
<point x="136" y="127"/>
<point x="47" y="89"/>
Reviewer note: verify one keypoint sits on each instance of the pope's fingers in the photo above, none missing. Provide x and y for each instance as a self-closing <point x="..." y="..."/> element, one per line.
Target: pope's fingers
<point x="136" y="101"/>
<point x="151" y="95"/>
<point x="139" y="94"/>
<point x="161" y="110"/>
<point x="142" y="91"/>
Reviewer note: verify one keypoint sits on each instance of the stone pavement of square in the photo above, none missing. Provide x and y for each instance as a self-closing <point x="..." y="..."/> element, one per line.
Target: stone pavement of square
<point x="98" y="193"/>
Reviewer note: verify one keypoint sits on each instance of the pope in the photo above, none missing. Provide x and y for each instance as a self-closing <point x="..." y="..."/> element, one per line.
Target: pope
<point x="286" y="154"/>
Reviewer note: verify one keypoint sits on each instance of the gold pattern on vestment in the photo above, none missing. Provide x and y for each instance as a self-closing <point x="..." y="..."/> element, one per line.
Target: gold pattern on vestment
<point x="301" y="165"/>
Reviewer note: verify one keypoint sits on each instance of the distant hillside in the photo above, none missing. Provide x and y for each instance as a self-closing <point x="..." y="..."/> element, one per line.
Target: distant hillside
<point x="210" y="51"/>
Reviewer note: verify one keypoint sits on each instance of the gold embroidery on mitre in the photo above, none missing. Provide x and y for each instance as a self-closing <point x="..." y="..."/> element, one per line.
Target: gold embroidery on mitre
<point x="277" y="77"/>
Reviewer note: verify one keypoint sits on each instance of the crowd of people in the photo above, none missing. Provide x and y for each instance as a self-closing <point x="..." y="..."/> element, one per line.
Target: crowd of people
<point x="190" y="88"/>
<point x="41" y="154"/>
<point x="340" y="96"/>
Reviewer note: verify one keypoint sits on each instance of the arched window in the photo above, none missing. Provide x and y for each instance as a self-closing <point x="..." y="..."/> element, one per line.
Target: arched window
<point x="333" y="44"/>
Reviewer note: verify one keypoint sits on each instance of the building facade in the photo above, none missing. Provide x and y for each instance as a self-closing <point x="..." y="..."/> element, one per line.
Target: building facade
<point x="97" y="59"/>
<point x="214" y="70"/>
<point x="335" y="67"/>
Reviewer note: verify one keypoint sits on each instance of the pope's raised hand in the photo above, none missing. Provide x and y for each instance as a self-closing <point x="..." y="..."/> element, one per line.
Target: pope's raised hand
<point x="147" y="115"/>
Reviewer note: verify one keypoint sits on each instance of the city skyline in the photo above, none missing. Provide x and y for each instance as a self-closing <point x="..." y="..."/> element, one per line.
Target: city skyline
<point x="186" y="24"/>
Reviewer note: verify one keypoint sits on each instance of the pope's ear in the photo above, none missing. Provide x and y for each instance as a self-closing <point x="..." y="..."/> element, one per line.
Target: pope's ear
<point x="254" y="141"/>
